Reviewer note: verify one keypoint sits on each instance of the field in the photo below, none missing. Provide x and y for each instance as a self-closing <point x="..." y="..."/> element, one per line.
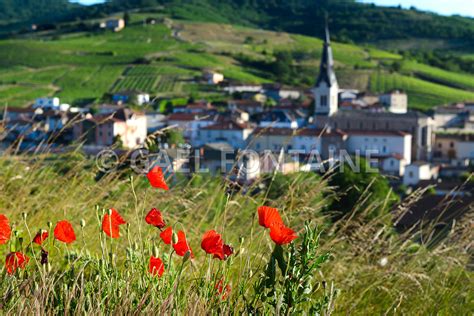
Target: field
<point x="423" y="95"/>
<point x="457" y="80"/>
<point x="358" y="266"/>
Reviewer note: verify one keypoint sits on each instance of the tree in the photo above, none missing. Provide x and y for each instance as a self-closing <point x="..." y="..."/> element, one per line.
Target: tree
<point x="361" y="191"/>
<point x="173" y="137"/>
<point x="126" y="18"/>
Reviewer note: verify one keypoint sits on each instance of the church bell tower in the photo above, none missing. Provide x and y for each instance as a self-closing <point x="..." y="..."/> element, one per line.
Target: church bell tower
<point x="326" y="90"/>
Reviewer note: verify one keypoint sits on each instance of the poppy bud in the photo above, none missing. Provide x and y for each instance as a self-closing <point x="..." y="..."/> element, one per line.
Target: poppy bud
<point x="187" y="255"/>
<point x="24" y="215"/>
<point x="50" y="224"/>
<point x="109" y="211"/>
<point x="175" y="238"/>
<point x="155" y="252"/>
<point x="50" y="267"/>
<point x="83" y="223"/>
<point x="241" y="239"/>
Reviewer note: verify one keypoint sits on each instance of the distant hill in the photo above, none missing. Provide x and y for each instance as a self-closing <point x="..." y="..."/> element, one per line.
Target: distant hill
<point x="26" y="10"/>
<point x="350" y="21"/>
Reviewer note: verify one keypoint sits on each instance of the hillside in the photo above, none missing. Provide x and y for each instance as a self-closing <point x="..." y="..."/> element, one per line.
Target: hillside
<point x="81" y="65"/>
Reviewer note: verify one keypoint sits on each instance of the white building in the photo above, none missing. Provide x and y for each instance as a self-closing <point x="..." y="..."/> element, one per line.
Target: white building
<point x="233" y="133"/>
<point x="213" y="77"/>
<point x="191" y="124"/>
<point x="391" y="149"/>
<point x="115" y="25"/>
<point x="396" y="101"/>
<point x="418" y="171"/>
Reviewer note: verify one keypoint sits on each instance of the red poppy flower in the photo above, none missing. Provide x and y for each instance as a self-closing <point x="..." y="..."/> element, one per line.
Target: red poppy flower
<point x="156" y="266"/>
<point x="156" y="178"/>
<point x="64" y="232"/>
<point x="167" y="235"/>
<point x="111" y="223"/>
<point x="154" y="218"/>
<point x="182" y="246"/>
<point x="228" y="250"/>
<point x="222" y="290"/>
<point x="282" y="235"/>
<point x="5" y="230"/>
<point x="14" y="261"/>
<point x="268" y="216"/>
<point x="40" y="237"/>
<point x="212" y="244"/>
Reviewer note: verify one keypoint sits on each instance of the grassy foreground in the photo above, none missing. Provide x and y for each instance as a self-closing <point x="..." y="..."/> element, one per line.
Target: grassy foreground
<point x="370" y="269"/>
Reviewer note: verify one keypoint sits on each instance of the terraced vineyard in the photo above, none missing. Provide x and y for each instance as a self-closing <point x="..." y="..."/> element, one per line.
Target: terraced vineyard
<point x="422" y="94"/>
<point x="136" y="83"/>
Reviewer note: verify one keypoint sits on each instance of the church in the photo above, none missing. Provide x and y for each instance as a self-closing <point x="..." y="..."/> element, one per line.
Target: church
<point x="328" y="114"/>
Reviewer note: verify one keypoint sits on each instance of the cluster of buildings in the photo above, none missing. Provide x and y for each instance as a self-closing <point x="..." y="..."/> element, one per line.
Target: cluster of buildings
<point x="408" y="145"/>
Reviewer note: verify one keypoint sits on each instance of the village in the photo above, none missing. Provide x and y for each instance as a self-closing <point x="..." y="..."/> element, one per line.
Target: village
<point x="285" y="126"/>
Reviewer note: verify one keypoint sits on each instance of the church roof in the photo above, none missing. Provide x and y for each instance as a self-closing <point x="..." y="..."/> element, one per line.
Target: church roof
<point x="326" y="69"/>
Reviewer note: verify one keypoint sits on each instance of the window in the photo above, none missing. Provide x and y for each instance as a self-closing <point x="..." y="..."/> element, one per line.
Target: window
<point x="451" y="145"/>
<point x="410" y="174"/>
<point x="361" y="125"/>
<point x="392" y="163"/>
<point x="440" y="145"/>
<point x="324" y="100"/>
<point x="384" y="149"/>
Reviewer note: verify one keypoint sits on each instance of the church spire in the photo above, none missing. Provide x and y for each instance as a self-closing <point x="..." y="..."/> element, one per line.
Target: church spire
<point x="326" y="70"/>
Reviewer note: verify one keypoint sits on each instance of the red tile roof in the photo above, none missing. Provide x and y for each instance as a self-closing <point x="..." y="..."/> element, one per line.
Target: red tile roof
<point x="229" y="125"/>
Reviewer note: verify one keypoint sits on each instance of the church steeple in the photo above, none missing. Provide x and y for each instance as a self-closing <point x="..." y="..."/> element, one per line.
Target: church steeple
<point x="326" y="90"/>
<point x="326" y="69"/>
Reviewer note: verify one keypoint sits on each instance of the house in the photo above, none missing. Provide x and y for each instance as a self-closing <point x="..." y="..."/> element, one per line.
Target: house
<point x="304" y="141"/>
<point x="456" y="145"/>
<point x="133" y="97"/>
<point x="396" y="101"/>
<point x="243" y="88"/>
<point x="326" y="143"/>
<point x="348" y="95"/>
<point x="416" y="124"/>
<point x="280" y="119"/>
<point x="212" y="77"/>
<point x="115" y="25"/>
<point x="46" y="103"/>
<point x="125" y="125"/>
<point x="25" y="114"/>
<point x="418" y="171"/>
<point x="272" y="139"/>
<point x="453" y="117"/>
<point x="200" y="107"/>
<point x="231" y="132"/>
<point x="191" y="124"/>
<point x="214" y="158"/>
<point x="278" y="163"/>
<point x="155" y="121"/>
<point x="388" y="151"/>
<point x="250" y="106"/>
<point x="278" y="92"/>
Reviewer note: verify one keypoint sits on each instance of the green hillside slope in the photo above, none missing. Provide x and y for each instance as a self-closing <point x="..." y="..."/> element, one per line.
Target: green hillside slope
<point x="81" y="67"/>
